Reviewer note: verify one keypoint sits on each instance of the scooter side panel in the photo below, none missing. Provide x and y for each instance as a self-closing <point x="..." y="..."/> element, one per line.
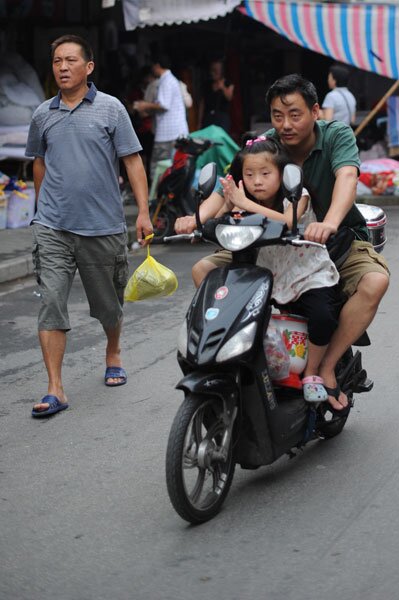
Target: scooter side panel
<point x="254" y="445"/>
<point x="274" y="420"/>
<point x="218" y="309"/>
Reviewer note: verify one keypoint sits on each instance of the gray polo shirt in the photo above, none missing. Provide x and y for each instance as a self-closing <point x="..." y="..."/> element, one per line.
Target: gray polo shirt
<point x="81" y="148"/>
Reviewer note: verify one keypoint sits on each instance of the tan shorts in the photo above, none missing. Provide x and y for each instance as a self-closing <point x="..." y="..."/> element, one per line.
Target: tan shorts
<point x="102" y="265"/>
<point x="361" y="260"/>
<point x="221" y="258"/>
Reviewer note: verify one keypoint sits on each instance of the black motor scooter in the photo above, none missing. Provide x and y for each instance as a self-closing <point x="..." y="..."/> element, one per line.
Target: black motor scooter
<point x="175" y="196"/>
<point x="233" y="413"/>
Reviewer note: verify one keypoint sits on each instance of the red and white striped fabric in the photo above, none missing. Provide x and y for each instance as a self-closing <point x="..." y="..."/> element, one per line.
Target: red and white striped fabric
<point x="363" y="35"/>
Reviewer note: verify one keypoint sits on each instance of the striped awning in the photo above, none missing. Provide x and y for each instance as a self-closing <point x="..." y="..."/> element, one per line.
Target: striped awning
<point x="146" y="13"/>
<point x="359" y="34"/>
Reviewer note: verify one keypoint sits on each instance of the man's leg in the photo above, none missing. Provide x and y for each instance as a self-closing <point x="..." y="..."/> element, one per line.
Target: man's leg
<point x="103" y="267"/>
<point x="53" y="345"/>
<point x="200" y="270"/>
<point x="356" y="315"/>
<point x="113" y="350"/>
<point x="55" y="268"/>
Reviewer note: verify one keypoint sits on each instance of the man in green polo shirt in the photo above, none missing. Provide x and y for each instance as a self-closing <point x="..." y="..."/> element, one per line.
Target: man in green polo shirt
<point x="328" y="155"/>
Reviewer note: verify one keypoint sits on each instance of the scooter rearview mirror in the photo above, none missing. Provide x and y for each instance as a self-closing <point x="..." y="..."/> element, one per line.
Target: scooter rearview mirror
<point x="207" y="180"/>
<point x="206" y="185"/>
<point x="292" y="188"/>
<point x="292" y="182"/>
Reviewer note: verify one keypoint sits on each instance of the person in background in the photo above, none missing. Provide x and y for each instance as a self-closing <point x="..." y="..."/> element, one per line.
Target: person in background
<point x="340" y="103"/>
<point x="169" y="111"/>
<point x="145" y="89"/>
<point x="77" y="139"/>
<point x="187" y="97"/>
<point x="151" y="90"/>
<point x="214" y="106"/>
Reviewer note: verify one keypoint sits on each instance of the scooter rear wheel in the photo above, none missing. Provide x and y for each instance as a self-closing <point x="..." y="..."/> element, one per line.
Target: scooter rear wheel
<point x="197" y="484"/>
<point x="329" y="423"/>
<point x="162" y="224"/>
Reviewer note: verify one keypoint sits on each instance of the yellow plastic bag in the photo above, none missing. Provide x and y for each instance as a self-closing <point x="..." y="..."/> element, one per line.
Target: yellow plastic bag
<point x="150" y="279"/>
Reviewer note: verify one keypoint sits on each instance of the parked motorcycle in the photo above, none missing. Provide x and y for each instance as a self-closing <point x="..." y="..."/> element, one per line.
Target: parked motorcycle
<point x="233" y="413"/>
<point x="175" y="196"/>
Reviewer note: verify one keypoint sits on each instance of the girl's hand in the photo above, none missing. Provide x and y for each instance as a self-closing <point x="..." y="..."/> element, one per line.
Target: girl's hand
<point x="241" y="201"/>
<point x="227" y="192"/>
<point x="231" y="192"/>
<point x="234" y="196"/>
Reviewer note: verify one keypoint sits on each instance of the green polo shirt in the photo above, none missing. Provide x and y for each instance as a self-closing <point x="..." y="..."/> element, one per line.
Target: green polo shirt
<point x="335" y="147"/>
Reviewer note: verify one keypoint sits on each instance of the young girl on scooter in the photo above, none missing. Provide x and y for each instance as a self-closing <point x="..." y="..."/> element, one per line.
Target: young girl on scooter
<point x="305" y="279"/>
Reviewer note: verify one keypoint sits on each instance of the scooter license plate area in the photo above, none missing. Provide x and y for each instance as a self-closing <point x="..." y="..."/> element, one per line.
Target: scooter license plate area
<point x="223" y="306"/>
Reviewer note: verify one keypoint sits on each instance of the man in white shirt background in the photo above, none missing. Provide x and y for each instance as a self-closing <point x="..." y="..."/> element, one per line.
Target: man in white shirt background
<point x="169" y="110"/>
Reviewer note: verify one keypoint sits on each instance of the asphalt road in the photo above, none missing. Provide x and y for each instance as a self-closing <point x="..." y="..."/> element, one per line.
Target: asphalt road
<point x="84" y="512"/>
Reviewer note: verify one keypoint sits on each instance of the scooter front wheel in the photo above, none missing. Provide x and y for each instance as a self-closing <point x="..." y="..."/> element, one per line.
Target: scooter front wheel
<point x="198" y="480"/>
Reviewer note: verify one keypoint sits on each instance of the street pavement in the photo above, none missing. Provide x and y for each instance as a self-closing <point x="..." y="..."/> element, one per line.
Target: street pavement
<point x="84" y="510"/>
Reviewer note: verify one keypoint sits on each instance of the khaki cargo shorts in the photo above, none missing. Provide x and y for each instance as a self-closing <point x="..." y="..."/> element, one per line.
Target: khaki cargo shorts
<point x="221" y="258"/>
<point x="361" y="260"/>
<point x="103" y="268"/>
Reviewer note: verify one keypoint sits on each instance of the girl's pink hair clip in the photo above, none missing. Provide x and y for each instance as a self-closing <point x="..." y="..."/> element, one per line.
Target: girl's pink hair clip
<point x="261" y="138"/>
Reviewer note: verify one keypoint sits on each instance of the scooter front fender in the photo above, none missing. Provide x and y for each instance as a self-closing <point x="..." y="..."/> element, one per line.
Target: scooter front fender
<point x="223" y="385"/>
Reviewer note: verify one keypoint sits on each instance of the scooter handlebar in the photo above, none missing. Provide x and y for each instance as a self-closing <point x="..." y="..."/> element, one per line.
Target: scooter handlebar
<point x="195" y="235"/>
<point x="299" y="242"/>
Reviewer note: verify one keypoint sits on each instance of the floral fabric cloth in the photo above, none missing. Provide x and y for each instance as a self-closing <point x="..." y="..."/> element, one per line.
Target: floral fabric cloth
<point x="297" y="270"/>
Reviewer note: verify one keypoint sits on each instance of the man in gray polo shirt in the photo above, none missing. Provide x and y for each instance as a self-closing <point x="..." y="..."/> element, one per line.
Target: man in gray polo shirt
<point x="77" y="139"/>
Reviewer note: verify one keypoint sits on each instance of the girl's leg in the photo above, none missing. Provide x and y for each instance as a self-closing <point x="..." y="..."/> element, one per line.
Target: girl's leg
<point x="321" y="307"/>
<point x="315" y="356"/>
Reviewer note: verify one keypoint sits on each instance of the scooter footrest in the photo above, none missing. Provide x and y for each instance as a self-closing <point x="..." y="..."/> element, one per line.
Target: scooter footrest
<point x="364" y="386"/>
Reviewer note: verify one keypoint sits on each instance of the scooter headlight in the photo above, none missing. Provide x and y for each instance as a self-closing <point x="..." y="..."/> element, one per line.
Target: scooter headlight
<point x="238" y="344"/>
<point x="182" y="339"/>
<point x="236" y="237"/>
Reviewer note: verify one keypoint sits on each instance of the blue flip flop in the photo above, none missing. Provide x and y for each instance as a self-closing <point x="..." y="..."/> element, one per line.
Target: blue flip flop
<point x="54" y="406"/>
<point x="115" y="373"/>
